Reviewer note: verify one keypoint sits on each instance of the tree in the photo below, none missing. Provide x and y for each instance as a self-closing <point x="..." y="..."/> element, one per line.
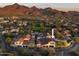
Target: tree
<point x="21" y="30"/>
<point x="8" y="40"/>
<point x="42" y="27"/>
<point x="58" y="20"/>
<point x="58" y="35"/>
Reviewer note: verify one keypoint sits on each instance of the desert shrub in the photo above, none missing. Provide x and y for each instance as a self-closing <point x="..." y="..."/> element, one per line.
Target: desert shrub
<point x="43" y="52"/>
<point x="25" y="52"/>
<point x="51" y="51"/>
<point x="72" y="53"/>
<point x="76" y="39"/>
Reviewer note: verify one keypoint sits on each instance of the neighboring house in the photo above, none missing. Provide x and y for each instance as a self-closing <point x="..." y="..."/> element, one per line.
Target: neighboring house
<point x="6" y="21"/>
<point x="67" y="35"/>
<point x="15" y="30"/>
<point x="6" y="31"/>
<point x="48" y="35"/>
<point x="1" y="18"/>
<point x="14" y="17"/>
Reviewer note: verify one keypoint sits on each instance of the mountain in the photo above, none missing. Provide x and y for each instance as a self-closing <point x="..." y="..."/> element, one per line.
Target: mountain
<point x="14" y="9"/>
<point x="17" y="9"/>
<point x="38" y="13"/>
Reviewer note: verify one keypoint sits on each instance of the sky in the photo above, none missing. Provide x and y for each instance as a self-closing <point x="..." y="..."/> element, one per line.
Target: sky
<point x="59" y="6"/>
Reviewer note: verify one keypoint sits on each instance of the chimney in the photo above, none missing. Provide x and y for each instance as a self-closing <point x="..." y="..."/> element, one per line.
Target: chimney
<point x="53" y="33"/>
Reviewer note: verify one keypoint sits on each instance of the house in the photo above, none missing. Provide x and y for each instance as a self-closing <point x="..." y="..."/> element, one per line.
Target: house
<point x="50" y="44"/>
<point x="22" y="41"/>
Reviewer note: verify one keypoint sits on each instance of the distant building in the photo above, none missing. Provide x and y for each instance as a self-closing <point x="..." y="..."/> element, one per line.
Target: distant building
<point x="1" y="18"/>
<point x="15" y="30"/>
<point x="14" y="17"/>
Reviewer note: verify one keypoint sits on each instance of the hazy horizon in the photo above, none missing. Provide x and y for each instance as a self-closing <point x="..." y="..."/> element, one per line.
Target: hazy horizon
<point x="58" y="6"/>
